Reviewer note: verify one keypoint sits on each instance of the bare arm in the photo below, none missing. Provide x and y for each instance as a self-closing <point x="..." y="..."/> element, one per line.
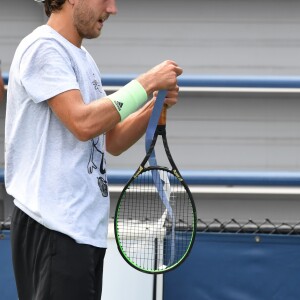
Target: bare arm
<point x="86" y="121"/>
<point x="127" y="133"/>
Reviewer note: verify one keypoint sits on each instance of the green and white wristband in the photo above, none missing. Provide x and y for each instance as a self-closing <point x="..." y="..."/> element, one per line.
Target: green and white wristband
<point x="129" y="98"/>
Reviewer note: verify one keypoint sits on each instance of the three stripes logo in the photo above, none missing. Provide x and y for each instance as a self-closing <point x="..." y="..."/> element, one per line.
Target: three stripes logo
<point x="119" y="105"/>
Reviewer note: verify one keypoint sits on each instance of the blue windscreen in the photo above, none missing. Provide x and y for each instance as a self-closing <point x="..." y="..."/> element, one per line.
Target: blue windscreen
<point x="233" y="266"/>
<point x="7" y="282"/>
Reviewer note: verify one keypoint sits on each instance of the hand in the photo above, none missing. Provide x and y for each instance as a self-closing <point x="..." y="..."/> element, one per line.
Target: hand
<point x="171" y="97"/>
<point x="161" y="77"/>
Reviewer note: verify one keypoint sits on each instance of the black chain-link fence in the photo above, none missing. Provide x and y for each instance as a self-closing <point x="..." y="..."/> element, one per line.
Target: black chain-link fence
<point x="231" y="226"/>
<point x="234" y="226"/>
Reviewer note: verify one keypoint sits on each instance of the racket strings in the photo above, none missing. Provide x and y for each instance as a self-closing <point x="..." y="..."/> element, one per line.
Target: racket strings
<point x="146" y="231"/>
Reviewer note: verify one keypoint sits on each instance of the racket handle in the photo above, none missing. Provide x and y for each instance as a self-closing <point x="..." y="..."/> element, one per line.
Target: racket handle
<point x="163" y="115"/>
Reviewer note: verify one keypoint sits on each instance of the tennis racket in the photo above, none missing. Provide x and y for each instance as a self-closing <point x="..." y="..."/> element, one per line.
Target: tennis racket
<point x="155" y="218"/>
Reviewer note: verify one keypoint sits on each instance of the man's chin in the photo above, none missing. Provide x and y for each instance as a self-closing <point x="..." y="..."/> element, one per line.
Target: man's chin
<point x="93" y="36"/>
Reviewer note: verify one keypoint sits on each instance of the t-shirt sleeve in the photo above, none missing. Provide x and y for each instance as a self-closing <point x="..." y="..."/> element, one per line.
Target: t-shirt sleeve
<point x="46" y="71"/>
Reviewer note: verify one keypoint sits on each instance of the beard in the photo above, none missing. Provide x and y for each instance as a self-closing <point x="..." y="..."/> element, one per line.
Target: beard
<point x="86" y="21"/>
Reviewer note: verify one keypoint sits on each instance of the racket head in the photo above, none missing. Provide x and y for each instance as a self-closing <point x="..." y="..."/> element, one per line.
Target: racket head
<point x="148" y="236"/>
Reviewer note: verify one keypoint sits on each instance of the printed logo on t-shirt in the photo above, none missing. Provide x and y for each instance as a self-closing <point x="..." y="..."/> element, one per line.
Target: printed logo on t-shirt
<point x="96" y="83"/>
<point x="96" y="150"/>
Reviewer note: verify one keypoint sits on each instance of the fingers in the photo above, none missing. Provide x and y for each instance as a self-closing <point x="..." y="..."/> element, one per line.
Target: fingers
<point x="170" y="94"/>
<point x="172" y="97"/>
<point x="161" y="77"/>
<point x="172" y="72"/>
<point x="165" y="75"/>
<point x="176" y="68"/>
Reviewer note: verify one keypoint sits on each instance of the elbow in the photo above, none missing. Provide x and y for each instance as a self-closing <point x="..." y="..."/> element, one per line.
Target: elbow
<point x="114" y="152"/>
<point x="81" y="137"/>
<point x="82" y="133"/>
<point x="113" y="148"/>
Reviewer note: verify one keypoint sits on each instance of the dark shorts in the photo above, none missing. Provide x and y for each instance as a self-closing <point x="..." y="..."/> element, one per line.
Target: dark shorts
<point x="49" y="265"/>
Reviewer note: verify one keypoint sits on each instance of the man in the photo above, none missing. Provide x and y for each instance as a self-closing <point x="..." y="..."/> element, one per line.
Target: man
<point x="1" y="85"/>
<point x="59" y="125"/>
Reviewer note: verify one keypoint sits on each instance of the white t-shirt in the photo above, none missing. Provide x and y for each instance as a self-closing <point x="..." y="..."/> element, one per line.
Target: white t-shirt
<point x="56" y="179"/>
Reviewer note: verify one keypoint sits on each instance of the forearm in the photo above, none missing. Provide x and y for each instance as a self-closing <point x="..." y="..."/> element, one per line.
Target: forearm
<point x="128" y="132"/>
<point x="85" y="121"/>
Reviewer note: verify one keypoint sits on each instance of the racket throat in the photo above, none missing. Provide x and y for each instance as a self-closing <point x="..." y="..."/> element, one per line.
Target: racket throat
<point x="161" y="129"/>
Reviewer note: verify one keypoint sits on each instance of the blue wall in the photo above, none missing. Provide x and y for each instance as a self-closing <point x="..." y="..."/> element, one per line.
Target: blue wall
<point x="7" y="282"/>
<point x="225" y="266"/>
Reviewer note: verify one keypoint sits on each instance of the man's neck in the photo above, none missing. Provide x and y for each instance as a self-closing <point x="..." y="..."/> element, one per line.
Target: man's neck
<point x="62" y="23"/>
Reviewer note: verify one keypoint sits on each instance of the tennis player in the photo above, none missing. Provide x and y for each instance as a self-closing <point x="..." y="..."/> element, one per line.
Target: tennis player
<point x="59" y="125"/>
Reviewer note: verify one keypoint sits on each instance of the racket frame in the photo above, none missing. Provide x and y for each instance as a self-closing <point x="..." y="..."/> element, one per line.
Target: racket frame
<point x="160" y="131"/>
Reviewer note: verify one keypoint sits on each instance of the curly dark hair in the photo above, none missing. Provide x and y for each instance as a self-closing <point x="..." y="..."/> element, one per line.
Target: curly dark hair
<point x="53" y="5"/>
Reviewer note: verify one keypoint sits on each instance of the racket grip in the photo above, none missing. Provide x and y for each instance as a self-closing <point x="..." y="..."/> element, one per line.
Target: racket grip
<point x="163" y="115"/>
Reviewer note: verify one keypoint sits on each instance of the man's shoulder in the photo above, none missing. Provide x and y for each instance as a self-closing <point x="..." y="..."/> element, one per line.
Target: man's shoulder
<point x="40" y="34"/>
<point x="41" y="41"/>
